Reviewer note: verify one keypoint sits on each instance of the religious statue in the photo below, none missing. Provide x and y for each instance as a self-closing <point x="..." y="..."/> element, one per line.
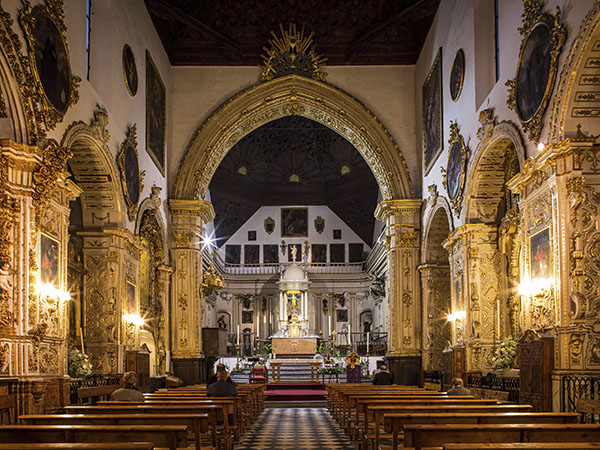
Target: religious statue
<point x="294" y="251"/>
<point x="6" y="283"/>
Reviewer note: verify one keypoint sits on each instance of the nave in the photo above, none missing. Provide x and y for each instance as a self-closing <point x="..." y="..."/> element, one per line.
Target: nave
<point x="295" y="428"/>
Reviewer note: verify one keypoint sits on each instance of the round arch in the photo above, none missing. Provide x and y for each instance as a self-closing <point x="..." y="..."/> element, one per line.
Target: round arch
<point x="285" y="96"/>
<point x="567" y="111"/>
<point x="148" y="205"/>
<point x="95" y="171"/>
<point x="486" y="172"/>
<point x="437" y="222"/>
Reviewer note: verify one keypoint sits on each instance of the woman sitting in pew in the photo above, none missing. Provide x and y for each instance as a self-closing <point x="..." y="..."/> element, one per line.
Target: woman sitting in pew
<point x="129" y="392"/>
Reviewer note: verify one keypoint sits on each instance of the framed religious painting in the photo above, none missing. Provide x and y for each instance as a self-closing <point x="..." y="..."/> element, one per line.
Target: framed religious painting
<point x="541" y="262"/>
<point x="337" y="253"/>
<point x="457" y="75"/>
<point x="294" y="222"/>
<point x="318" y="253"/>
<point x="432" y="114"/>
<point x="269" y="225"/>
<point x="130" y="70"/>
<point x="456" y="167"/>
<point x="252" y="235"/>
<point x="233" y="253"/>
<point x="270" y="253"/>
<point x="251" y="254"/>
<point x="247" y="316"/>
<point x="156" y="104"/>
<point x="130" y="307"/>
<point x="355" y="253"/>
<point x="341" y="315"/>
<point x="129" y="168"/>
<point x="531" y="89"/>
<point x="49" y="260"/>
<point x="48" y="52"/>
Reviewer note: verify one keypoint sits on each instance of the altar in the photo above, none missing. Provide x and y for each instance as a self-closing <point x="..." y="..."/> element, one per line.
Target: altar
<point x="294" y="346"/>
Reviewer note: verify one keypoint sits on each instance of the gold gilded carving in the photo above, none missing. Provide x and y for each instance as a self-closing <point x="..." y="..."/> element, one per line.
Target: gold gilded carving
<point x="4" y="357"/>
<point x="487" y="119"/>
<point x="293" y="53"/>
<point x="456" y="168"/>
<point x="533" y="18"/>
<point x="132" y="180"/>
<point x="54" y="163"/>
<point x="29" y="18"/>
<point x="49" y="360"/>
<point x="182" y="240"/>
<point x="433" y="195"/>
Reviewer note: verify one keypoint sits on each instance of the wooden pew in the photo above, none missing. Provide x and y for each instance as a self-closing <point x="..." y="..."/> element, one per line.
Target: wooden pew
<point x="169" y="436"/>
<point x="419" y="436"/>
<point x="99" y="392"/>
<point x="395" y="422"/>
<point x="196" y="423"/>
<point x="378" y="412"/>
<point x="526" y="446"/>
<point x="80" y="446"/>
<point x="7" y="408"/>
<point x="220" y="436"/>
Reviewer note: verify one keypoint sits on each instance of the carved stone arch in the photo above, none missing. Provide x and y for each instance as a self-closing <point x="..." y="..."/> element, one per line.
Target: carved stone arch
<point x="20" y="119"/>
<point x="488" y="171"/>
<point x="286" y="96"/>
<point x="437" y="226"/>
<point x="94" y="170"/>
<point x="573" y="105"/>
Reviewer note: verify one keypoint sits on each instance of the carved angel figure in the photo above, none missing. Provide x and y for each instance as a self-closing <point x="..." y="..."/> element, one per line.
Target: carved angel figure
<point x="6" y="277"/>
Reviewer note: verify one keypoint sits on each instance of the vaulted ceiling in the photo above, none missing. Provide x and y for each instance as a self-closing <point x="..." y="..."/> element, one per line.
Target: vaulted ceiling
<point x="234" y="32"/>
<point x="293" y="161"/>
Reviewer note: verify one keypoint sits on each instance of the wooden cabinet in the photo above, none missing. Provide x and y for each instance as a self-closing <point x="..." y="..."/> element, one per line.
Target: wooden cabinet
<point x="139" y="362"/>
<point x="536" y="362"/>
<point x="458" y="362"/>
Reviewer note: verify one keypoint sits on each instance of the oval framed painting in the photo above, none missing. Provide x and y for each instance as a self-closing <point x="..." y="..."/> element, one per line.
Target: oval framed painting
<point x="129" y="168"/>
<point x="457" y="75"/>
<point x="455" y="171"/>
<point x="130" y="70"/>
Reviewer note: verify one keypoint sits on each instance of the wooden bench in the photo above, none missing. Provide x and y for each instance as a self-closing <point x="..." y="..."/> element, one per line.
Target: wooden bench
<point x="526" y="446"/>
<point x="196" y="423"/>
<point x="169" y="436"/>
<point x="395" y="422"/>
<point x="587" y="406"/>
<point x="7" y="408"/>
<point x="80" y="446"/>
<point x="419" y="436"/>
<point x="97" y="392"/>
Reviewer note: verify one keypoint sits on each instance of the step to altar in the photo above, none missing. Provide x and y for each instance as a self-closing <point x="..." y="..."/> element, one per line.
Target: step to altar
<point x="295" y="392"/>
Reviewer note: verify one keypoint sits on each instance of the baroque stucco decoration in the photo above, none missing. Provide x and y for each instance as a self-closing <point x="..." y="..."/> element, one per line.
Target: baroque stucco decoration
<point x="285" y="96"/>
<point x="572" y="104"/>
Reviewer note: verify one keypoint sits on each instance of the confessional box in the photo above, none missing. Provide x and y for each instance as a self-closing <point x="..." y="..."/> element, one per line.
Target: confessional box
<point x="139" y="362"/>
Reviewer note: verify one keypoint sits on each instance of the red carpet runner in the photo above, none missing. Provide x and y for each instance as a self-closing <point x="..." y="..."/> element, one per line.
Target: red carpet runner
<point x="295" y="392"/>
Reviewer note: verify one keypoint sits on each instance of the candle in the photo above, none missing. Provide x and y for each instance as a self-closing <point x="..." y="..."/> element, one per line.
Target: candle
<point x="81" y="335"/>
<point x="350" y="335"/>
<point x="368" y="333"/>
<point x="258" y="327"/>
<point x="238" y="335"/>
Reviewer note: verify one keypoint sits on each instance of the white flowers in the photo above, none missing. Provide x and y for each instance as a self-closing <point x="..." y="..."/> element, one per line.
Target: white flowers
<point x="505" y="355"/>
<point x="79" y="364"/>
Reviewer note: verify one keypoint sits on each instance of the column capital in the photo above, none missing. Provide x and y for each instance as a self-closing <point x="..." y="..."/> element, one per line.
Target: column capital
<point x="399" y="207"/>
<point x="192" y="208"/>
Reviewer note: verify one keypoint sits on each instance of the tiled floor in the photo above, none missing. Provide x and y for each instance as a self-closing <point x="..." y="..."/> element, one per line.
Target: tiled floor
<point x="295" y="428"/>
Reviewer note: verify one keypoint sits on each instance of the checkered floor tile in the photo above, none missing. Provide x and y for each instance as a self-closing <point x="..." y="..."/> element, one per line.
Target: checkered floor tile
<point x="295" y="428"/>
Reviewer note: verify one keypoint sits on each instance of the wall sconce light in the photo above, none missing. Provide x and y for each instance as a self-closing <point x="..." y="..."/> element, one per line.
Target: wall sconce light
<point x="50" y="293"/>
<point x="134" y="319"/>
<point x="537" y="288"/>
<point x="456" y="315"/>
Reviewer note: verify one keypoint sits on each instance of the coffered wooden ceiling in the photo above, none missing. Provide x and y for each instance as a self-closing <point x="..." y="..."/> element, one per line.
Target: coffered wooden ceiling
<point x="347" y="32"/>
<point x="293" y="161"/>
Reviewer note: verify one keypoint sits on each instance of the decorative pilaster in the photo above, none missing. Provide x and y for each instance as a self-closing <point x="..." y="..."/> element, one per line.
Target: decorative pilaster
<point x="188" y="218"/>
<point x="402" y="218"/>
<point x="163" y="326"/>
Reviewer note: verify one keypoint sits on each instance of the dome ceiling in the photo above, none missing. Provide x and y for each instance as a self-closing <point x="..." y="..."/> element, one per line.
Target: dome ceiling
<point x="234" y="32"/>
<point x="293" y="161"/>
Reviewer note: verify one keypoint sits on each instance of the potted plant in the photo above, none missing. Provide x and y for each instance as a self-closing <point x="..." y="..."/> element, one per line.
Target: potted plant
<point x="79" y="364"/>
<point x="505" y="356"/>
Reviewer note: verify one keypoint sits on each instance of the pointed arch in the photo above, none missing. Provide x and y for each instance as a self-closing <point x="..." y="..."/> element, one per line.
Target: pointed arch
<point x="285" y="96"/>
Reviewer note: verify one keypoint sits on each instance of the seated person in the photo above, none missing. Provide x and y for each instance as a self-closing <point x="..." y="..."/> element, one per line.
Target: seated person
<point x="221" y="388"/>
<point x="458" y="388"/>
<point x="128" y="393"/>
<point x="383" y="376"/>
<point x="213" y="378"/>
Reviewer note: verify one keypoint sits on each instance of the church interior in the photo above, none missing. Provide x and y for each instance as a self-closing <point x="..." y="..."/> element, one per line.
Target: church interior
<point x="301" y="192"/>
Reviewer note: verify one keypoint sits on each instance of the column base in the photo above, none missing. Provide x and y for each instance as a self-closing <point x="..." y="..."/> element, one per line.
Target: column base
<point x="405" y="369"/>
<point x="193" y="370"/>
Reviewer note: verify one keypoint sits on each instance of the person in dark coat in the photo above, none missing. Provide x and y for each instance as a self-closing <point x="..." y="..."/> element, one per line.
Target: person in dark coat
<point x="383" y="376"/>
<point x="213" y="378"/>
<point x="221" y="388"/>
<point x="458" y="388"/>
<point x="129" y="392"/>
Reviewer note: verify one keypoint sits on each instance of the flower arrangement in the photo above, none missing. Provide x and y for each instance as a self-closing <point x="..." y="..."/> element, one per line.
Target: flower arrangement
<point x="331" y="370"/>
<point x="506" y="354"/>
<point x="79" y="364"/>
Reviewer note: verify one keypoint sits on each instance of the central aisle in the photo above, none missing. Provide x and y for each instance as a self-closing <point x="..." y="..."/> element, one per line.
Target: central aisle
<point x="295" y="428"/>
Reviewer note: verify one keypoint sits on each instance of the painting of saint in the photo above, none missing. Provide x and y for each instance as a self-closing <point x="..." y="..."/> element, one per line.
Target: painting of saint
<point x="131" y="309"/>
<point x="270" y="253"/>
<point x="534" y="71"/>
<point x="132" y="175"/>
<point x="457" y="74"/>
<point x="233" y="254"/>
<point x="454" y="170"/>
<point x="155" y="114"/>
<point x="319" y="253"/>
<point x="49" y="258"/>
<point x="355" y="253"/>
<point x="432" y="114"/>
<point x="247" y="317"/>
<point x="294" y="222"/>
<point x="540" y="255"/>
<point x="251" y="254"/>
<point x="337" y="253"/>
<point x="130" y="70"/>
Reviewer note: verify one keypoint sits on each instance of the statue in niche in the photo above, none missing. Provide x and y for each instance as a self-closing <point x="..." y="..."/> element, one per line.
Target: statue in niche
<point x="294" y="251"/>
<point x="6" y="282"/>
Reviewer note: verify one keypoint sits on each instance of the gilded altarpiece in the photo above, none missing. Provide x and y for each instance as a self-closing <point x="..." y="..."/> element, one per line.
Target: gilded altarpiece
<point x="34" y="199"/>
<point x="435" y="285"/>
<point x="402" y="219"/>
<point x="559" y="194"/>
<point x="478" y="297"/>
<point x="188" y="218"/>
<point x="111" y="261"/>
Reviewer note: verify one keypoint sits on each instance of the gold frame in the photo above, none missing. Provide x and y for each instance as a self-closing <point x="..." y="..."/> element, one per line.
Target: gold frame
<point x="282" y="222"/>
<point x="130" y="141"/>
<point x="269" y="221"/>
<point x="434" y="157"/>
<point x="462" y="75"/>
<point x="131" y="91"/>
<point x="456" y="137"/>
<point x="530" y="238"/>
<point x="149" y="150"/>
<point x="532" y="18"/>
<point x="28" y="17"/>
